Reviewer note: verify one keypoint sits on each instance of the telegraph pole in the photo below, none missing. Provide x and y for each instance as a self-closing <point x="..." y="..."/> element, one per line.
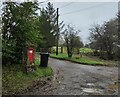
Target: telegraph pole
<point x="57" y="33"/>
<point x="118" y="35"/>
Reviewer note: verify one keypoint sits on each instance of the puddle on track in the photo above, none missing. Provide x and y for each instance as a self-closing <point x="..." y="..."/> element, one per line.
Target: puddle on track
<point x="90" y="84"/>
<point x="92" y="90"/>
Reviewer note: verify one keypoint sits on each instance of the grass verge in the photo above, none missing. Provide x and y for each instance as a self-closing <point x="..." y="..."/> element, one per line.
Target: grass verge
<point x="15" y="80"/>
<point x="85" y="60"/>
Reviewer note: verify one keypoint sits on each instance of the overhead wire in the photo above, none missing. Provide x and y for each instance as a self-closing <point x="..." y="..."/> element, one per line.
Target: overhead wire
<point x="43" y="2"/>
<point x="76" y="11"/>
<point x="66" y="5"/>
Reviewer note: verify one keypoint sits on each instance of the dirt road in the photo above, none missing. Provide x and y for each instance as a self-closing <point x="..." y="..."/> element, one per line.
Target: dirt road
<point x="76" y="79"/>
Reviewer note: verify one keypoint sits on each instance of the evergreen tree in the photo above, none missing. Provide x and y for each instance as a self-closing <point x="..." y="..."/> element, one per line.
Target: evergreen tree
<point x="48" y="26"/>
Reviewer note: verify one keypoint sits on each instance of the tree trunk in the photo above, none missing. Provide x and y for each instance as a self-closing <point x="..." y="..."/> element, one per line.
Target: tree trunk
<point x="69" y="51"/>
<point x="61" y="49"/>
<point x="78" y="51"/>
<point x="110" y="55"/>
<point x="50" y="50"/>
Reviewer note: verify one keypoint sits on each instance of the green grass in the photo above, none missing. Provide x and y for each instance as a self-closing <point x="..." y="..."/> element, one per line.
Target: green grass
<point x="86" y="50"/>
<point x="84" y="60"/>
<point x="15" y="80"/>
<point x="59" y="55"/>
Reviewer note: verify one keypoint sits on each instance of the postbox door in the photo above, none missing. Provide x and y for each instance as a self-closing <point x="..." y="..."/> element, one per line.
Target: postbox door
<point x="31" y="55"/>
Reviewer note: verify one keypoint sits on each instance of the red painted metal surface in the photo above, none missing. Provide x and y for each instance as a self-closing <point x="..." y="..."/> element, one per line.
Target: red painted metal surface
<point x="31" y="54"/>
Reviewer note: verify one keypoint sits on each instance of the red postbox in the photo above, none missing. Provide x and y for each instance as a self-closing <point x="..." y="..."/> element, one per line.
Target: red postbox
<point x="31" y="55"/>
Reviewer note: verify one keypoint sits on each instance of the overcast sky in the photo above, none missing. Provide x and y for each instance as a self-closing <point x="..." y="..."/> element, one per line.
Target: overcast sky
<point x="83" y="14"/>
